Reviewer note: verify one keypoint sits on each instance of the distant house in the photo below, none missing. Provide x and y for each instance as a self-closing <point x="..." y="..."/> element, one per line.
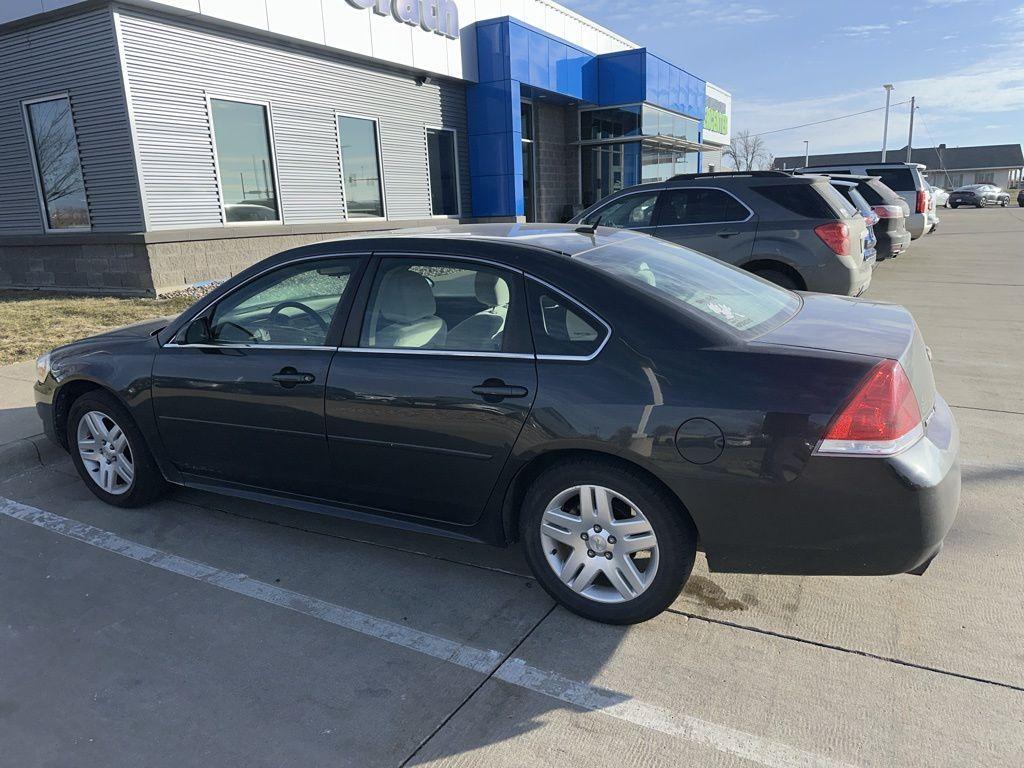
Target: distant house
<point x="949" y="167"/>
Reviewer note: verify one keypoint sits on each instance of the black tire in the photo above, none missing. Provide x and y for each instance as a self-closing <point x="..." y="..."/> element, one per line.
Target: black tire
<point x="980" y="204"/>
<point x="676" y="538"/>
<point x="778" y="277"/>
<point x="954" y="205"/>
<point x="1004" y="203"/>
<point x="147" y="482"/>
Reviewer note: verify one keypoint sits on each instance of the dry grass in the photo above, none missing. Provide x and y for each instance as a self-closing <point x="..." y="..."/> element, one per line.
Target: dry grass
<point x="31" y="322"/>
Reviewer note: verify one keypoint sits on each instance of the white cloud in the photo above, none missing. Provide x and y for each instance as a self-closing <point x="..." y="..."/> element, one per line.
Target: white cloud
<point x="864" y="30"/>
<point x="728" y="13"/>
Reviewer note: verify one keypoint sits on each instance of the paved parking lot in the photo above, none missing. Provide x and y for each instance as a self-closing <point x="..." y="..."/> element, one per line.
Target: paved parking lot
<point x="208" y="631"/>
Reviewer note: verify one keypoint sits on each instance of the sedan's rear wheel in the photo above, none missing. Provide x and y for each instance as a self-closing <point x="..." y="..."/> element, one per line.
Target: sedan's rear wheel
<point x="110" y="453"/>
<point x="605" y="543"/>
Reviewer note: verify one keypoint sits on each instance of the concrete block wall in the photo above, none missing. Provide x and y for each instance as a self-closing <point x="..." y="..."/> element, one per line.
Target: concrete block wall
<point x="109" y="267"/>
<point x="557" y="160"/>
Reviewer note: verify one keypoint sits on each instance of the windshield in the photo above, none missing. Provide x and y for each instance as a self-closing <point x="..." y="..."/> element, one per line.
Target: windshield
<point x="747" y="305"/>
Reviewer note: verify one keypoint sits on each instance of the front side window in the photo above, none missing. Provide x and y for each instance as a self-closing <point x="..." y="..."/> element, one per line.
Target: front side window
<point x="242" y="138"/>
<point x="627" y="212"/>
<point x="444" y="170"/>
<point x="561" y="328"/>
<point x="700" y="206"/>
<point x="360" y="167"/>
<point x="439" y="304"/>
<point x="291" y="306"/>
<point x="55" y="152"/>
<point x="695" y="283"/>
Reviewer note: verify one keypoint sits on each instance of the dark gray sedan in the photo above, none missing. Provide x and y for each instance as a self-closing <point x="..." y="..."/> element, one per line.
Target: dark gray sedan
<point x="978" y="195"/>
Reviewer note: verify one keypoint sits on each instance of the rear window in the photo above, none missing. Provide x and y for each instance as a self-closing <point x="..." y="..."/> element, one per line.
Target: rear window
<point x="876" y="193"/>
<point x="724" y="294"/>
<point x="812" y="201"/>
<point x="899" y="179"/>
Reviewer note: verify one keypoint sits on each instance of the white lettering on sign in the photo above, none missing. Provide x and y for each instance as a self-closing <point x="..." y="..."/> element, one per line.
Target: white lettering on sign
<point x="438" y="16"/>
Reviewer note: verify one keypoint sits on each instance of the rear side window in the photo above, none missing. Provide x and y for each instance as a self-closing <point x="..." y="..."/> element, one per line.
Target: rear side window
<point x="876" y="193"/>
<point x="561" y="327"/>
<point x="899" y="179"/>
<point x="800" y="199"/>
<point x="626" y="212"/>
<point x="699" y="206"/>
<point x="832" y="196"/>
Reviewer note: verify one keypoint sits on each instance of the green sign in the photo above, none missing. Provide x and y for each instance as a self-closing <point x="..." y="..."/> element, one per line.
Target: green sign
<point x="715" y="121"/>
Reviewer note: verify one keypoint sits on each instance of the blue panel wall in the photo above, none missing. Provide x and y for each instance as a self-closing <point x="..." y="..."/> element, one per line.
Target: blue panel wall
<point x="512" y="54"/>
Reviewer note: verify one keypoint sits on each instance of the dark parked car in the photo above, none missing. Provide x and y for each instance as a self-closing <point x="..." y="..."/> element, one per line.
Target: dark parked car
<point x="613" y="401"/>
<point x="796" y="231"/>
<point x="1020" y="198"/>
<point x="891" y="230"/>
<point x="978" y="195"/>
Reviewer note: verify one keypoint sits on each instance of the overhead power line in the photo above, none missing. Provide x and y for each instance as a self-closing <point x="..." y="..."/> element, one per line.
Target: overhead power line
<point x="830" y="120"/>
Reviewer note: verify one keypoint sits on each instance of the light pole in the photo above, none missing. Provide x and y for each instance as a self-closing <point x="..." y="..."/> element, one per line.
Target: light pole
<point x="807" y="153"/>
<point x="910" y="138"/>
<point x="885" y="131"/>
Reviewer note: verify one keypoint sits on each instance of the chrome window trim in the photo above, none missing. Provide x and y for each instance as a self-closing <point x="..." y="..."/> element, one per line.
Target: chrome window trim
<point x="184" y="326"/>
<point x="239" y="345"/>
<point x="750" y="212"/>
<point x="592" y="313"/>
<point x="436" y="352"/>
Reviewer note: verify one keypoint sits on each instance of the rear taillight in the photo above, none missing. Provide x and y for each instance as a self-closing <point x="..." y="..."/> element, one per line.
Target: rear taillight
<point x="880" y="419"/>
<point x="836" y="235"/>
<point x="888" y="211"/>
<point x="922" y="201"/>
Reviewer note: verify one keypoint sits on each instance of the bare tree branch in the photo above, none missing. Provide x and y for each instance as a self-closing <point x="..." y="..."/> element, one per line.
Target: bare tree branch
<point x="747" y="152"/>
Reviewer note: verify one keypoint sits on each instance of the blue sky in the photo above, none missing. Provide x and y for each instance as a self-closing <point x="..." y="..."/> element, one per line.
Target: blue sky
<point x="789" y="62"/>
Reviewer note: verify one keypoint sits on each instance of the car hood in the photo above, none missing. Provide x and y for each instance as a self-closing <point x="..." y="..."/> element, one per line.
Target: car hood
<point x="138" y="330"/>
<point x="118" y="337"/>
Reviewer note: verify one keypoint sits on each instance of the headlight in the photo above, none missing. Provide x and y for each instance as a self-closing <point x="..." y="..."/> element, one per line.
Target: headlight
<point x="42" y="367"/>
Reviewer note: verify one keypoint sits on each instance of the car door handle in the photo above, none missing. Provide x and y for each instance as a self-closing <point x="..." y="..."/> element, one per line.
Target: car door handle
<point x="499" y="391"/>
<point x="288" y="377"/>
<point x="727" y="232"/>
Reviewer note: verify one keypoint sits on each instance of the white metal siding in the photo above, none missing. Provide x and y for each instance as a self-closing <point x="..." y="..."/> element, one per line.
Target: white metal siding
<point x="173" y="64"/>
<point x="77" y="55"/>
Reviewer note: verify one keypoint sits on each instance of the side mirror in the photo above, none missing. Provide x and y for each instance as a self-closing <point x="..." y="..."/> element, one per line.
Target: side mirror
<point x="198" y="331"/>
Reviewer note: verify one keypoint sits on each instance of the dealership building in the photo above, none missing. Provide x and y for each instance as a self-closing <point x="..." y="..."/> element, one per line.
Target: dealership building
<point x="146" y="146"/>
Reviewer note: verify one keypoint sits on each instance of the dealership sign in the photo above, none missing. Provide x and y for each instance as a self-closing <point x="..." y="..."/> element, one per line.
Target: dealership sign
<point x="438" y="16"/>
<point x="716" y="116"/>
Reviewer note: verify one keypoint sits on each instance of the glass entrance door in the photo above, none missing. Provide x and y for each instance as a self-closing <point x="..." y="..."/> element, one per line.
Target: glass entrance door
<point x="526" y="119"/>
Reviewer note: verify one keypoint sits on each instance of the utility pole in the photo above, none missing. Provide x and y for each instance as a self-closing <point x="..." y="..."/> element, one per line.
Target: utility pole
<point x="807" y="153"/>
<point x="885" y="131"/>
<point x="910" y="138"/>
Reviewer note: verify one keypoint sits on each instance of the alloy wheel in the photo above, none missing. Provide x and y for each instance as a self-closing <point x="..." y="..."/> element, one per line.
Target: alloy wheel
<point x="599" y="544"/>
<point x="105" y="453"/>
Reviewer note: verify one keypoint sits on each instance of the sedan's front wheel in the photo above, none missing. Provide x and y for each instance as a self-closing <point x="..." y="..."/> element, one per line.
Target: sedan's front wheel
<point x="109" y="452"/>
<point x="605" y="542"/>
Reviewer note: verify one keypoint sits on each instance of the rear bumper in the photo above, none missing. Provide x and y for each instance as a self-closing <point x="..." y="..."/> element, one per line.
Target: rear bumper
<point x="847" y="516"/>
<point x="893" y="243"/>
<point x="917" y="223"/>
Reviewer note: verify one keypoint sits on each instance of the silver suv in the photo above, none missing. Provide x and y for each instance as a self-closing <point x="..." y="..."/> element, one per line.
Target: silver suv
<point x="796" y="231"/>
<point x="906" y="180"/>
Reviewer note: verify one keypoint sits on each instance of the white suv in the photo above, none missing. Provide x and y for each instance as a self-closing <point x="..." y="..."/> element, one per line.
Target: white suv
<point x="906" y="180"/>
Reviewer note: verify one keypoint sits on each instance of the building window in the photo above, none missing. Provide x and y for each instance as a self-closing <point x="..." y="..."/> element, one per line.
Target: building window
<point x="444" y="172"/>
<point x="985" y="178"/>
<point x="526" y="145"/>
<point x="244" y="161"/>
<point x="54" y="148"/>
<point x="360" y="167"/>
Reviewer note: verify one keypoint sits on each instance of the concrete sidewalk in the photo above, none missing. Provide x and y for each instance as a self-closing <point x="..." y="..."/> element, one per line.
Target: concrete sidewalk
<point x="22" y="443"/>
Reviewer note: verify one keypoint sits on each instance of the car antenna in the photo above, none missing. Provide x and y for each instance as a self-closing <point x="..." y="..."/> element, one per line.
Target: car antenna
<point x="589" y="229"/>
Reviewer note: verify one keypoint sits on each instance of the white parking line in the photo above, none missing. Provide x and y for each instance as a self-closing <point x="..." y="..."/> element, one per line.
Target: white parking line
<point x="514" y="671"/>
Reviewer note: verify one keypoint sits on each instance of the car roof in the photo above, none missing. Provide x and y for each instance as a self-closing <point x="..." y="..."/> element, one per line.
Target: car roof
<point x="559" y="239"/>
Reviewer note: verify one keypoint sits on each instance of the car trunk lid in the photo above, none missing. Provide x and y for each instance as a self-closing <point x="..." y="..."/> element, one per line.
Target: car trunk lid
<point x="859" y="327"/>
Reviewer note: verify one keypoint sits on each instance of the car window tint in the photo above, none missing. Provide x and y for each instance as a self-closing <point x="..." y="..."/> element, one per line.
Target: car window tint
<point x="697" y="283"/>
<point x="291" y="306"/>
<point x="626" y="212"/>
<point x="837" y="202"/>
<point x="439" y="304"/>
<point x="800" y="199"/>
<point x="899" y="179"/>
<point x="560" y="326"/>
<point x="699" y="206"/>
